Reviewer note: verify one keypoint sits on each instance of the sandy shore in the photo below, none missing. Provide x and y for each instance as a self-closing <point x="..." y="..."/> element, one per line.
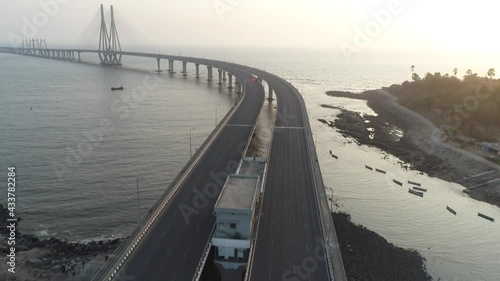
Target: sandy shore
<point x="424" y="146"/>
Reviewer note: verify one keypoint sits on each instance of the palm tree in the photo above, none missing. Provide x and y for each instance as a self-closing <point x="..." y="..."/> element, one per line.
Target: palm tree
<point x="491" y="73"/>
<point x="468" y="72"/>
<point x="412" y="69"/>
<point x="455" y="71"/>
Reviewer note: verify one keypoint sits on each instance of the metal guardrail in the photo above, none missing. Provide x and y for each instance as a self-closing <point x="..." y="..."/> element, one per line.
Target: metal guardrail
<point x="204" y="257"/>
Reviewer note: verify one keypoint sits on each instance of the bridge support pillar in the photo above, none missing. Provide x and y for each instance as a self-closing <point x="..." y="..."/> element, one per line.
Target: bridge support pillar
<point x="171" y="66"/>
<point x="210" y="73"/>
<point x="197" y="70"/>
<point x="270" y="95"/>
<point x="230" y="85"/>
<point x="238" y="87"/>
<point x="184" y="68"/>
<point x="158" y="70"/>
<point x="224" y="76"/>
<point x="220" y="76"/>
<point x="79" y="57"/>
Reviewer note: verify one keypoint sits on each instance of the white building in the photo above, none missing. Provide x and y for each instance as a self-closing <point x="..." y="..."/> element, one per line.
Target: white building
<point x="234" y="211"/>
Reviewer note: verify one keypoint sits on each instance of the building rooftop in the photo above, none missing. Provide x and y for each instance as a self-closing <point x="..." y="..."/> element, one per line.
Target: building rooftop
<point x="239" y="192"/>
<point x="252" y="166"/>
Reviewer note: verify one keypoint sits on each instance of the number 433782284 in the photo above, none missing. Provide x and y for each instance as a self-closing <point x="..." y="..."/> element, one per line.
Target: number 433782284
<point x="11" y="189"/>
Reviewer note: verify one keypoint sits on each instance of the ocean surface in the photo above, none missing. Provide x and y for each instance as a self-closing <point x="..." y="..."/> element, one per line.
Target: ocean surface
<point x="80" y="149"/>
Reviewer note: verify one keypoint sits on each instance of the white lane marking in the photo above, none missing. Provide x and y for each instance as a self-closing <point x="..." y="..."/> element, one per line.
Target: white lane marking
<point x="238" y="125"/>
<point x="285" y="127"/>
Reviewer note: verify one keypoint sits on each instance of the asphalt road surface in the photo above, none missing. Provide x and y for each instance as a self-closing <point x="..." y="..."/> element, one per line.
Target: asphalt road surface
<point x="289" y="245"/>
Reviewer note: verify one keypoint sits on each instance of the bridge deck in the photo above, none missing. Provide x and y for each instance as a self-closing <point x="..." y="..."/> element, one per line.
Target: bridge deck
<point x="290" y="230"/>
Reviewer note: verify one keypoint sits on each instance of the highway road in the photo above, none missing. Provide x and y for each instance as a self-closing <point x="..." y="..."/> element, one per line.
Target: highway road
<point x="289" y="243"/>
<point x="172" y="248"/>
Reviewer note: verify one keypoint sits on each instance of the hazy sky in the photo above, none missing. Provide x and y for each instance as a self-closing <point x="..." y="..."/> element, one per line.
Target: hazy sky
<point x="442" y="28"/>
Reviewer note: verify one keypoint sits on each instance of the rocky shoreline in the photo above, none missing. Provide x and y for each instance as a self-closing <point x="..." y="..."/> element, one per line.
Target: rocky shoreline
<point x="51" y="259"/>
<point x="422" y="147"/>
<point x="369" y="257"/>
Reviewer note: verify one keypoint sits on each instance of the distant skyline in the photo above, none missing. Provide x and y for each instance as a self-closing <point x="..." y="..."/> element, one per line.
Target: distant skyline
<point x="353" y="30"/>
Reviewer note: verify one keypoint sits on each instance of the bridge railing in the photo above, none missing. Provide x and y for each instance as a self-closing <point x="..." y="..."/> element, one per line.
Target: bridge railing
<point x="204" y="257"/>
<point x="328" y="230"/>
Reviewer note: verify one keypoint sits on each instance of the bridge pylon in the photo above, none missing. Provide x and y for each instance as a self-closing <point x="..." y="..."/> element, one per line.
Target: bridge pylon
<point x="109" y="42"/>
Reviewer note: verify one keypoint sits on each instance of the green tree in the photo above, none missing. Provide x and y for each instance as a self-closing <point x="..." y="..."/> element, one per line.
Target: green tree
<point x="415" y="77"/>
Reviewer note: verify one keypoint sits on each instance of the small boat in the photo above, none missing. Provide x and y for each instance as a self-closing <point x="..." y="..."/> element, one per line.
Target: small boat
<point x="421" y="194"/>
<point x="451" y="210"/>
<point x="381" y="171"/>
<point x="369" y="168"/>
<point x="486" y="217"/>
<point x="420" y="189"/>
<point x="398" y="182"/>
<point x="414" y="183"/>
<point x="116" y="88"/>
<point x="335" y="156"/>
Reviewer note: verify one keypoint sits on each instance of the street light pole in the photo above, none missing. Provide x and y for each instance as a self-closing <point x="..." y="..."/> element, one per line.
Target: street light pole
<point x="190" y="138"/>
<point x="331" y="201"/>
<point x="138" y="203"/>
<point x="216" y="114"/>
